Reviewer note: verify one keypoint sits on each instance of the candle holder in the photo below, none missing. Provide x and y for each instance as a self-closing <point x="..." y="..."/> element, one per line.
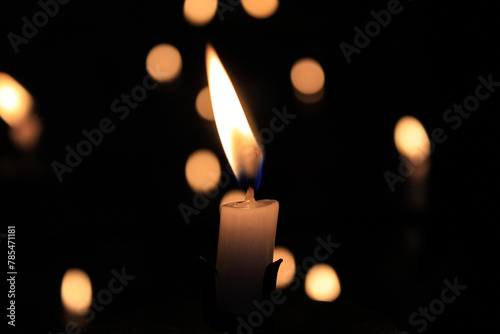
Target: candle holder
<point x="229" y="322"/>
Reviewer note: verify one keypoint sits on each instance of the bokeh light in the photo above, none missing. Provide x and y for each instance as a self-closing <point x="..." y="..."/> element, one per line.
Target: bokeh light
<point x="411" y="140"/>
<point x="307" y="76"/>
<point x="204" y="104"/>
<point x="286" y="272"/>
<point x="260" y="9"/>
<point x="322" y="283"/>
<point x="164" y="63"/>
<point x="234" y="195"/>
<point x="76" y="291"/>
<point x="15" y="101"/>
<point x="199" y="12"/>
<point x="202" y="170"/>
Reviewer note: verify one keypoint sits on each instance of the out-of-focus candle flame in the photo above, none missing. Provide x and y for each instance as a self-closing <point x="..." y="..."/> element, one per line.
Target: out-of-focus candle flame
<point x="164" y="63"/>
<point x="322" y="283"/>
<point x="202" y="171"/>
<point x="76" y="291"/>
<point x="307" y="76"/>
<point x="199" y="12"/>
<point x="204" y="105"/>
<point x="240" y="146"/>
<point x="411" y="140"/>
<point x="15" y="101"/>
<point x="260" y="9"/>
<point x="286" y="271"/>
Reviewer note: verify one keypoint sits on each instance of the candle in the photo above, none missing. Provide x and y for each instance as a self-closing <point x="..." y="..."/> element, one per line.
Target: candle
<point x="17" y="110"/>
<point x="413" y="144"/>
<point x="248" y="228"/>
<point x="246" y="245"/>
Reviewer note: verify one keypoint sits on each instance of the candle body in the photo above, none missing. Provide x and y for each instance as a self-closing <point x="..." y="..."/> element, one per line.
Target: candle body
<point x="416" y="187"/>
<point x="246" y="243"/>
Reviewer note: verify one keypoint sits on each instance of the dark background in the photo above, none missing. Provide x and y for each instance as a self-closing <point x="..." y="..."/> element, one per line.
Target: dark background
<point x="119" y="208"/>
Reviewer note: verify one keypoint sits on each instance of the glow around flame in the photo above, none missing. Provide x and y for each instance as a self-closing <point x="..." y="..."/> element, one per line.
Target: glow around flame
<point x="241" y="148"/>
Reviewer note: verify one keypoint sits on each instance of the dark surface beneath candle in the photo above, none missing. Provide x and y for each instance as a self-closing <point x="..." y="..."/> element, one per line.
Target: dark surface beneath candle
<point x="400" y="265"/>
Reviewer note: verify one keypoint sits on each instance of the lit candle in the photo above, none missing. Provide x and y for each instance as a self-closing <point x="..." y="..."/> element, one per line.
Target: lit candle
<point x="16" y="109"/>
<point x="248" y="228"/>
<point x="413" y="144"/>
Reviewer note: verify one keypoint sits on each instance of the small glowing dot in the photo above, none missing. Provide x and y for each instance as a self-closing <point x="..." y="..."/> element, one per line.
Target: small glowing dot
<point x="164" y="63"/>
<point x="307" y="76"/>
<point x="260" y="9"/>
<point x="234" y="195"/>
<point x="411" y="140"/>
<point x="76" y="291"/>
<point x="286" y="272"/>
<point x="204" y="104"/>
<point x="199" y="12"/>
<point x="202" y="170"/>
<point x="322" y="283"/>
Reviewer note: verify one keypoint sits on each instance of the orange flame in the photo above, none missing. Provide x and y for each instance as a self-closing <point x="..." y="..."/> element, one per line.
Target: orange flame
<point x="240" y="146"/>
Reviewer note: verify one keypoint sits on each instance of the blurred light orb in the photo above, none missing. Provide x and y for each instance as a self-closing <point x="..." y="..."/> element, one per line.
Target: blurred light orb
<point x="307" y="76"/>
<point x="322" y="283"/>
<point x="164" y="63"/>
<point x="286" y="272"/>
<point x="76" y="291"/>
<point x="260" y="9"/>
<point x="204" y="104"/>
<point x="15" y="101"/>
<point x="199" y="12"/>
<point x="202" y="171"/>
<point x="234" y="195"/>
<point x="411" y="140"/>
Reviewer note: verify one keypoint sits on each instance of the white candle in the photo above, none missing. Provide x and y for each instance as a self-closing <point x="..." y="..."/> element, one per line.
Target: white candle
<point x="248" y="228"/>
<point x="246" y="244"/>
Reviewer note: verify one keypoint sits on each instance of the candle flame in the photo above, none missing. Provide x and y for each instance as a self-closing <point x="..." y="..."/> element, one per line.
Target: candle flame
<point x="240" y="146"/>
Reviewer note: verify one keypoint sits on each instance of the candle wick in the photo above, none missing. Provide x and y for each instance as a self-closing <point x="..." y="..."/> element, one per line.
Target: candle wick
<point x="249" y="197"/>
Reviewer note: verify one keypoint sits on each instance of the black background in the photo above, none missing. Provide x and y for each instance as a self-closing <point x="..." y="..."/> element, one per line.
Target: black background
<point x="120" y="207"/>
